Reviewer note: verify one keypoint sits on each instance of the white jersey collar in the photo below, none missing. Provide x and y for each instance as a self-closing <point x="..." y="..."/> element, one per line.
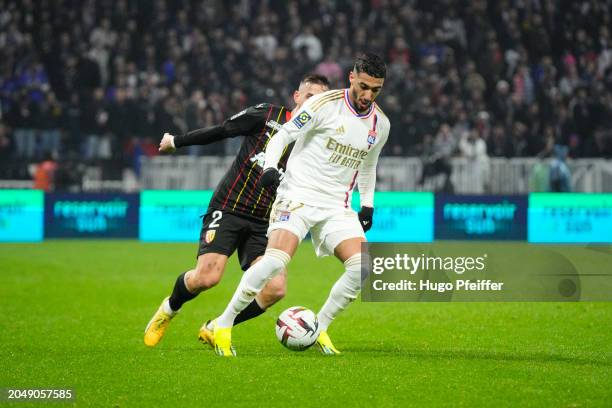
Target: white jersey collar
<point x="365" y="115"/>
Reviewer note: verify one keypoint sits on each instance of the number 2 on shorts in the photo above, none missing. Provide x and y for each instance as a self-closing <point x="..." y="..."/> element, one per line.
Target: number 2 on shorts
<point x="216" y="215"/>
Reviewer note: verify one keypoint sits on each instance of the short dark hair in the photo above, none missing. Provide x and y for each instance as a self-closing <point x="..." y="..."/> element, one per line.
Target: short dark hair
<point x="316" y="79"/>
<point x="371" y="64"/>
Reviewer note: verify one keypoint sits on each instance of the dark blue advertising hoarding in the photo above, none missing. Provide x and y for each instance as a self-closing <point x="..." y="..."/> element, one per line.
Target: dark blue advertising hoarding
<point x="91" y="215"/>
<point x="476" y="217"/>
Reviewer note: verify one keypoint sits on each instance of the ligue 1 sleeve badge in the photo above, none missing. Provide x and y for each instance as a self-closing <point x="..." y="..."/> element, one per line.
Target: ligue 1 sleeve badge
<point x="302" y="119"/>
<point x="210" y="236"/>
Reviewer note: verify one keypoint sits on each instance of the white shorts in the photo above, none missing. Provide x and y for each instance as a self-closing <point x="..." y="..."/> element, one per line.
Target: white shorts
<point x="328" y="226"/>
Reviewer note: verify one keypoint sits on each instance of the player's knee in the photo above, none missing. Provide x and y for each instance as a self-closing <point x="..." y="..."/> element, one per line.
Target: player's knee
<point x="207" y="275"/>
<point x="208" y="281"/>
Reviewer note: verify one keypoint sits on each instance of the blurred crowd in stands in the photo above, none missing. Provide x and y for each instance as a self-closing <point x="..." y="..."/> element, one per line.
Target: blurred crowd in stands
<point x="102" y="80"/>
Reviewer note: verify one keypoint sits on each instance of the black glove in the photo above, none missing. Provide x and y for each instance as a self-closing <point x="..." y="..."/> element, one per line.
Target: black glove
<point x="365" y="218"/>
<point x="270" y="179"/>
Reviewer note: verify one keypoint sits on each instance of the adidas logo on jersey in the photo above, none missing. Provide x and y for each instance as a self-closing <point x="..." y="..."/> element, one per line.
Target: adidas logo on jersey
<point x="340" y="130"/>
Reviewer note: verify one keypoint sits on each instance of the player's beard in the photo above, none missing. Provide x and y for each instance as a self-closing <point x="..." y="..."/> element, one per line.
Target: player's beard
<point x="356" y="104"/>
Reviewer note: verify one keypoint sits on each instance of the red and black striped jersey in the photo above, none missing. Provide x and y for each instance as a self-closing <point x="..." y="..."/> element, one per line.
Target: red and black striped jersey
<point x="239" y="191"/>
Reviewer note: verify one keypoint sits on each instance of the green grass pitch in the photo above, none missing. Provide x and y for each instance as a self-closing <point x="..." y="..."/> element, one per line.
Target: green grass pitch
<point x="73" y="315"/>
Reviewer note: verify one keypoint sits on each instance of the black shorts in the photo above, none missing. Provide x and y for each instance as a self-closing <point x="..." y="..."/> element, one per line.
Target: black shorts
<point x="224" y="232"/>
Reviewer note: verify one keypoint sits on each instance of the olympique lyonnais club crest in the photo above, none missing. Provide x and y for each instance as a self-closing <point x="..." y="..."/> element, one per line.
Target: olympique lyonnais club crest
<point x="372" y="133"/>
<point x="371" y="137"/>
<point x="284" y="216"/>
<point x="210" y="236"/>
<point x="301" y="119"/>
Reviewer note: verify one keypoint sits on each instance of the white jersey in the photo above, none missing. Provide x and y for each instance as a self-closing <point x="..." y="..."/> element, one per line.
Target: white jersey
<point x="335" y="149"/>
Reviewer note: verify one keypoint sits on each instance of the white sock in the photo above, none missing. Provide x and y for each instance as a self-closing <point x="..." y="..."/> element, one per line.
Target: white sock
<point x="166" y="307"/>
<point x="345" y="290"/>
<point x="252" y="282"/>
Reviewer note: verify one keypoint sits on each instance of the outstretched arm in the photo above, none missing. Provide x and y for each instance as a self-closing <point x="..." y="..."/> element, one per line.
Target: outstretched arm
<point x="204" y="136"/>
<point x="240" y="124"/>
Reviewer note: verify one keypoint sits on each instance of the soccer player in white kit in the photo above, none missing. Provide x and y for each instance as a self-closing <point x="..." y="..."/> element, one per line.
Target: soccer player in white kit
<point x="338" y="137"/>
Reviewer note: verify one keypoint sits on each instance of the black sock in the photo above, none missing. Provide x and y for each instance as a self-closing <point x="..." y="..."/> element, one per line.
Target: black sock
<point x="251" y="311"/>
<point x="180" y="294"/>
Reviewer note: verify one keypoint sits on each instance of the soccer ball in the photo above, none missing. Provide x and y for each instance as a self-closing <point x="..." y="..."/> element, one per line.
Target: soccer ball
<point x="297" y="328"/>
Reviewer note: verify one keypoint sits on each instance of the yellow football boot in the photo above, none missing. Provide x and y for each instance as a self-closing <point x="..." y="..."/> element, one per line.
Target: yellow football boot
<point x="157" y="326"/>
<point x="206" y="335"/>
<point x="325" y="344"/>
<point x="222" y="339"/>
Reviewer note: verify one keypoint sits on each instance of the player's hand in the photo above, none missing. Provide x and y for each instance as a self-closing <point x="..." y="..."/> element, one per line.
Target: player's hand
<point x="365" y="218"/>
<point x="270" y="179"/>
<point x="167" y="144"/>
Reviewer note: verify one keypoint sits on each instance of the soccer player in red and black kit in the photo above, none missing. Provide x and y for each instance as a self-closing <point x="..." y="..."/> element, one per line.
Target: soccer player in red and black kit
<point x="237" y="216"/>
